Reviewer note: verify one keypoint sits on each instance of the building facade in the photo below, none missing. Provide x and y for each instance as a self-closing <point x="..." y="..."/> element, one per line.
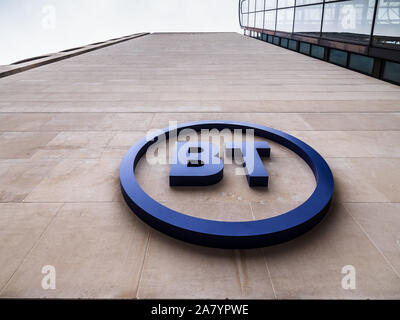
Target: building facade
<point x="363" y="35"/>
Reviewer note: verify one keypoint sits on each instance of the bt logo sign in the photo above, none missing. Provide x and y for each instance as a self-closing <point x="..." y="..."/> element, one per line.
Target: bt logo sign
<point x="197" y="164"/>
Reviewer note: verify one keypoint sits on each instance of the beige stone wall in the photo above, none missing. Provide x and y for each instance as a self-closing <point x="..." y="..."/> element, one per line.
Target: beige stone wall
<point x="66" y="126"/>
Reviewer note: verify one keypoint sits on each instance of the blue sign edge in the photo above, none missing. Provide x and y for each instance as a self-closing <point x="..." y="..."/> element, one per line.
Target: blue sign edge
<point x="224" y="234"/>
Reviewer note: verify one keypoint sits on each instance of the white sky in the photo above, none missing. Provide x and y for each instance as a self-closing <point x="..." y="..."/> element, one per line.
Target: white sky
<point x="30" y="28"/>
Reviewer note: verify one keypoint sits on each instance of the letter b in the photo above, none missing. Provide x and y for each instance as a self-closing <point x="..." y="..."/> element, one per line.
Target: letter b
<point x="195" y="164"/>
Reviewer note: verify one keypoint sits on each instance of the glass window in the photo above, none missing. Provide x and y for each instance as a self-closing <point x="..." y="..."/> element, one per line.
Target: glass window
<point x="338" y="57"/>
<point x="246" y="19"/>
<point x="259" y="5"/>
<point x="269" y="20"/>
<point x="245" y="6"/>
<point x="285" y="3"/>
<point x="317" y="51"/>
<point x="348" y="20"/>
<point x="270" y="4"/>
<point x="391" y="71"/>
<point x="387" y="24"/>
<point x="361" y="63"/>
<point x="251" y="20"/>
<point x="284" y="20"/>
<point x="308" y="19"/>
<point x="252" y="5"/>
<point x="293" y="44"/>
<point x="260" y="20"/>
<point x="387" y="21"/>
<point x="305" y="47"/>
<point x="300" y="2"/>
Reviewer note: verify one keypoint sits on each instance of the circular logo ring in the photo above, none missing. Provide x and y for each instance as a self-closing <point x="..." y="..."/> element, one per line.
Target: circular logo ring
<point x="224" y="234"/>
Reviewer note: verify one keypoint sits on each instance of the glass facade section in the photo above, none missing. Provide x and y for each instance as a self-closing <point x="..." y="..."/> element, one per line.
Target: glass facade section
<point x="284" y="20"/>
<point x="387" y="21"/>
<point x="260" y="20"/>
<point x="270" y="4"/>
<point x="348" y="20"/>
<point x="387" y="24"/>
<point x="362" y="35"/>
<point x="252" y="5"/>
<point x="244" y="6"/>
<point x="259" y="5"/>
<point x="269" y="20"/>
<point x="303" y="2"/>
<point x="252" y="19"/>
<point x="285" y="3"/>
<point x="338" y="20"/>
<point x="308" y="19"/>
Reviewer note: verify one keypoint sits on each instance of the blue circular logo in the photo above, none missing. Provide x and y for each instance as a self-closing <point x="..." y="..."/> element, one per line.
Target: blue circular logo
<point x="223" y="234"/>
